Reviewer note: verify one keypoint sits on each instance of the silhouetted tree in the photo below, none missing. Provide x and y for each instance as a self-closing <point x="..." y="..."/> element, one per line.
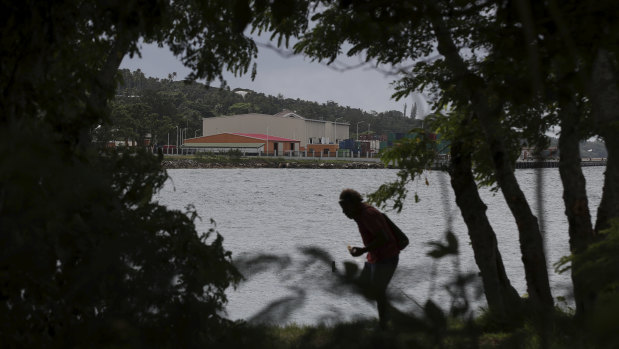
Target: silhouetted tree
<point x="514" y="68"/>
<point x="88" y="259"/>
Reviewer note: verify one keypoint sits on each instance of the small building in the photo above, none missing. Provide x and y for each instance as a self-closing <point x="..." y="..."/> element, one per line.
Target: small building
<point x="248" y="143"/>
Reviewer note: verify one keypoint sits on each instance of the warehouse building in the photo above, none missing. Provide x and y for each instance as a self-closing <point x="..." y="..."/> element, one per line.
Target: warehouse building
<point x="286" y="124"/>
<point x="247" y="143"/>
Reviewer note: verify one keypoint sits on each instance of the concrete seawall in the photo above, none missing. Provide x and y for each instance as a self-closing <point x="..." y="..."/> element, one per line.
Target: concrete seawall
<point x="179" y="162"/>
<point x="271" y="163"/>
<point x="552" y="164"/>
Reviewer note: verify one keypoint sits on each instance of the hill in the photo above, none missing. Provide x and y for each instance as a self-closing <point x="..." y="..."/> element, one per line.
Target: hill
<point x="145" y="105"/>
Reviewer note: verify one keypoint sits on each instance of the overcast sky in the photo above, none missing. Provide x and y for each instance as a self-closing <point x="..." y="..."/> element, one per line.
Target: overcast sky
<point x="293" y="77"/>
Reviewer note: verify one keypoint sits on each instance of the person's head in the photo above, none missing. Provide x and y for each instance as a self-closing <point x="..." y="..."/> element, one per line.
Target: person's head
<point x="350" y="201"/>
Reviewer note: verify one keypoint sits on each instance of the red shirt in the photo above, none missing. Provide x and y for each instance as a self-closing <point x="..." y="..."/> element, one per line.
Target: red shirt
<point x="371" y="222"/>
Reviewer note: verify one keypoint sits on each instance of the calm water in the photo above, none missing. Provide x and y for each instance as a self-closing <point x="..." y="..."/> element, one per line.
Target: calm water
<point x="282" y="211"/>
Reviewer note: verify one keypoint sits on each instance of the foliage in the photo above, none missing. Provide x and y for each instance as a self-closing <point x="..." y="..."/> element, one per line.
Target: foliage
<point x="241" y="108"/>
<point x="419" y="152"/>
<point x="601" y="255"/>
<point x="414" y="155"/>
<point x="88" y="260"/>
<point x="234" y="154"/>
<point x="362" y="334"/>
<point x="432" y="326"/>
<point x="371" y="28"/>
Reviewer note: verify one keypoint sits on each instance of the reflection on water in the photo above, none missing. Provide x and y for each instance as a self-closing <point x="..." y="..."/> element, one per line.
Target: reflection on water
<point x="282" y="212"/>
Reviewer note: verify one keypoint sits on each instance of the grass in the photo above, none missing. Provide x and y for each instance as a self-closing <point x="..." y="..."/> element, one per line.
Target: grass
<point x="416" y="333"/>
<point x="360" y="335"/>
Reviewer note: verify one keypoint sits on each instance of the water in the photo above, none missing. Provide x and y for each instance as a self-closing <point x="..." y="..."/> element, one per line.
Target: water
<point x="282" y="211"/>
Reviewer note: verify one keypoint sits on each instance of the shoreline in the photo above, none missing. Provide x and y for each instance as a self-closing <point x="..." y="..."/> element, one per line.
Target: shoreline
<point x="197" y="163"/>
<point x="190" y="162"/>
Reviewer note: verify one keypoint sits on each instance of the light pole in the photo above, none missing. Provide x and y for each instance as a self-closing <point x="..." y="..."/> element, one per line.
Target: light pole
<point x="267" y="145"/>
<point x="370" y="139"/>
<point x="176" y="139"/>
<point x="360" y="122"/>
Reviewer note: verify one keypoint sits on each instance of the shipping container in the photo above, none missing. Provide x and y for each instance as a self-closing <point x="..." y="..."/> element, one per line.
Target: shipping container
<point x="365" y="147"/>
<point x="346" y="144"/>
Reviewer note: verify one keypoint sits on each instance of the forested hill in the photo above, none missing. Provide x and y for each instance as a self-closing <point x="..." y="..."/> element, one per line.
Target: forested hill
<point x="156" y="106"/>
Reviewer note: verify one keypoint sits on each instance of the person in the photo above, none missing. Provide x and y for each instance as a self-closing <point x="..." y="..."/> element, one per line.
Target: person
<point x="380" y="245"/>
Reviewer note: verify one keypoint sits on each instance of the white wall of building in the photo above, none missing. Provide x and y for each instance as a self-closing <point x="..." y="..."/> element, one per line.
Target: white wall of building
<point x="285" y="125"/>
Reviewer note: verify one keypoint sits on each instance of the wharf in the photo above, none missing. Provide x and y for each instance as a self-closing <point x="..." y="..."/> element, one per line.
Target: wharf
<point x="555" y="163"/>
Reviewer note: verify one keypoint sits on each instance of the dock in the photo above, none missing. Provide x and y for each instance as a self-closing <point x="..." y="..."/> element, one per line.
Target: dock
<point x="555" y="163"/>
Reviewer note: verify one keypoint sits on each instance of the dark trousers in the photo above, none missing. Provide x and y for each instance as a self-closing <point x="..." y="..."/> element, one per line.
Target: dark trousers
<point x="375" y="278"/>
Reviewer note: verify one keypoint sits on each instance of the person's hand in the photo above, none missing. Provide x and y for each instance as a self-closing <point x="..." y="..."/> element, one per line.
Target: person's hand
<point x="356" y="251"/>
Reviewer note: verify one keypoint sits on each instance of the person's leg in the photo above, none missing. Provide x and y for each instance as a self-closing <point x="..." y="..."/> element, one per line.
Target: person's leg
<point x="381" y="276"/>
<point x="365" y="280"/>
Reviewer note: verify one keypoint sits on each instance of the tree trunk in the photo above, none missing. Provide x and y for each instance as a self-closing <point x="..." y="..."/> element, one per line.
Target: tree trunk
<point x="502" y="298"/>
<point x="575" y="198"/>
<point x="604" y="95"/>
<point x="531" y="242"/>
<point x="609" y="205"/>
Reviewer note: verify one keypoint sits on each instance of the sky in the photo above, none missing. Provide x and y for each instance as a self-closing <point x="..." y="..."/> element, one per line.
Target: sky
<point x="292" y="76"/>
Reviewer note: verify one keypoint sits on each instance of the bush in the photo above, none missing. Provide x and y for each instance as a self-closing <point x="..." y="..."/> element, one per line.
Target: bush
<point x="234" y="153"/>
<point x="88" y="260"/>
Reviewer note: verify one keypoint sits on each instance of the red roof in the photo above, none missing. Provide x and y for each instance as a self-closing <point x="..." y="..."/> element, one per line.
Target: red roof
<point x="265" y="137"/>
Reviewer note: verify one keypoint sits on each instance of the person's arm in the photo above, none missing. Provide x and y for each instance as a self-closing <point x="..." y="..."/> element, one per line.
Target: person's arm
<point x="379" y="241"/>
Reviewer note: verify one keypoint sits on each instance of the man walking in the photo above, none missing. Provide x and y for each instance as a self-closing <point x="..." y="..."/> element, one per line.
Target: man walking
<point x="380" y="244"/>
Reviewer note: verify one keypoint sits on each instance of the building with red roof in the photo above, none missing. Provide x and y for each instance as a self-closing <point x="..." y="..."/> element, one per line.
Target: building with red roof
<point x="247" y="143"/>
